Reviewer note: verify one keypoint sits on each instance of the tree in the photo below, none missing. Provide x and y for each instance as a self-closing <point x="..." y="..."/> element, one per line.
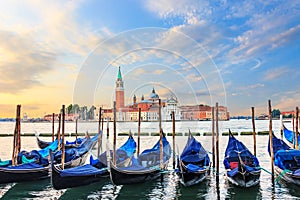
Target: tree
<point x="69" y="109"/>
<point x="276" y="113"/>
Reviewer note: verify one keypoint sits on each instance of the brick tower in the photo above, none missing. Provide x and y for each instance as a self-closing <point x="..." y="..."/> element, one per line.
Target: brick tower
<point x="119" y="91"/>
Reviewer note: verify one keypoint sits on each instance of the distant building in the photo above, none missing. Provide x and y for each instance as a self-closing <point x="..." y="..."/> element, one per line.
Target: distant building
<point x="150" y="108"/>
<point x="68" y="117"/>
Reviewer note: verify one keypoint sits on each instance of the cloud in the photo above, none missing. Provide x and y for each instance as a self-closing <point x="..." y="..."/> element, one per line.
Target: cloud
<point x="37" y="37"/>
<point x="22" y="62"/>
<point x="275" y="73"/>
<point x="193" y="78"/>
<point x="189" y="11"/>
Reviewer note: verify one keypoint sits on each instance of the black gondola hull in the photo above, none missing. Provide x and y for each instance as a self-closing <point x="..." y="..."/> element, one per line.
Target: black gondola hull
<point x="188" y="178"/>
<point x="125" y="177"/>
<point x="59" y="182"/>
<point x="10" y="176"/>
<point x="245" y="180"/>
<point x="20" y="175"/>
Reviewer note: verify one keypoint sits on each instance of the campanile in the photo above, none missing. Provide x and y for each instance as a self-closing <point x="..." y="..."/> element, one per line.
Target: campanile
<point x="119" y="91"/>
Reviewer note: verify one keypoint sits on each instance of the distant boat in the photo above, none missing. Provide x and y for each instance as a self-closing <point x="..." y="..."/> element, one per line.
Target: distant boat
<point x="286" y="161"/>
<point x="93" y="172"/>
<point x="193" y="163"/>
<point x="242" y="166"/>
<point x="145" y="167"/>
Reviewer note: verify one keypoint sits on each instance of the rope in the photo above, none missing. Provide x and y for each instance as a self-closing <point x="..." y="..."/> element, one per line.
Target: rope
<point x="265" y="170"/>
<point x="280" y="176"/>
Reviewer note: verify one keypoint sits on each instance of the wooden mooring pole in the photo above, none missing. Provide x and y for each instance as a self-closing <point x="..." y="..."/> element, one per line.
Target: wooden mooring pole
<point x="213" y="136"/>
<point x="16" y="139"/>
<point x="217" y="142"/>
<point x="53" y="126"/>
<point x="76" y="130"/>
<point x="271" y="140"/>
<point x="297" y="133"/>
<point x="173" y="136"/>
<point x="58" y="132"/>
<point x="115" y="134"/>
<point x="160" y="136"/>
<point x="281" y="127"/>
<point x="99" y="134"/>
<point x="139" y="132"/>
<point x="63" y="138"/>
<point x="293" y="122"/>
<point x="254" y="133"/>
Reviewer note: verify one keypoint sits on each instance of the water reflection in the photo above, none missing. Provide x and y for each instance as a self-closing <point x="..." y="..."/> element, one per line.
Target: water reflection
<point x="84" y="191"/>
<point x="252" y="193"/>
<point x="32" y="190"/>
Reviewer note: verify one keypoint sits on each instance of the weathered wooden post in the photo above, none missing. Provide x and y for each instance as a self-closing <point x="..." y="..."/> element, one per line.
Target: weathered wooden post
<point x="115" y="134"/>
<point x="17" y="132"/>
<point x="217" y="141"/>
<point x="139" y="132"/>
<point x="294" y="138"/>
<point x="271" y="140"/>
<point x="281" y="127"/>
<point x="99" y="134"/>
<point x="254" y="133"/>
<point x="173" y="136"/>
<point x="58" y="132"/>
<point x="297" y="134"/>
<point x="63" y="138"/>
<point x="53" y="126"/>
<point x="18" y="123"/>
<point x="161" y="136"/>
<point x="213" y="136"/>
<point x="107" y="129"/>
<point x="76" y="130"/>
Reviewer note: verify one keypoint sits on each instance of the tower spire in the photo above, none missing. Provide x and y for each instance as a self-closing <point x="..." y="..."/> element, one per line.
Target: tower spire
<point x="119" y="74"/>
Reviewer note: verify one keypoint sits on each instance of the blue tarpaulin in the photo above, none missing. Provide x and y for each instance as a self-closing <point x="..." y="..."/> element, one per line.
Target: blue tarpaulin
<point x="235" y="151"/>
<point x="84" y="170"/>
<point x="194" y="152"/>
<point x="194" y="168"/>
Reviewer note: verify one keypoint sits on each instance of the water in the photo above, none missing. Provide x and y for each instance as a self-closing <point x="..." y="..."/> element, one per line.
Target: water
<point x="167" y="187"/>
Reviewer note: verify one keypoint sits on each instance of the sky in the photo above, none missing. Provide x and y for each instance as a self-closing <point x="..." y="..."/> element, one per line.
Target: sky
<point x="237" y="53"/>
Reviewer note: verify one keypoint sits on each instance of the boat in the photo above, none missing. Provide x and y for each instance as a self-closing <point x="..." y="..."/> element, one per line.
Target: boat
<point x="290" y="136"/>
<point x="143" y="168"/>
<point x="193" y="163"/>
<point x="242" y="167"/>
<point x="286" y="161"/>
<point x="43" y="144"/>
<point x="95" y="171"/>
<point x="35" y="164"/>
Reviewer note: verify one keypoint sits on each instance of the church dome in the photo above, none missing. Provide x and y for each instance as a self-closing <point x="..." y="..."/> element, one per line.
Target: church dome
<point x="153" y="95"/>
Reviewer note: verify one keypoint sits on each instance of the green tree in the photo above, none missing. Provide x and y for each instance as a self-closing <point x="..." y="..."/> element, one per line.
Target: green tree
<point x="276" y="113"/>
<point x="69" y="109"/>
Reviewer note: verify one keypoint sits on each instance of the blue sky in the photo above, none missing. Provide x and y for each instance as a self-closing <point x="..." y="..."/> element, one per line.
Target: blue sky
<point x="237" y="53"/>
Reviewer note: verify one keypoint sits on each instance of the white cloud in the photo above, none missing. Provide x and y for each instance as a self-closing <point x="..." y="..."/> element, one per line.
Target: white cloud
<point x="276" y="72"/>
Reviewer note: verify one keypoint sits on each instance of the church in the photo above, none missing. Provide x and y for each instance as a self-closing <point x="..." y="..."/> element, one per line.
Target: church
<point x="150" y="107"/>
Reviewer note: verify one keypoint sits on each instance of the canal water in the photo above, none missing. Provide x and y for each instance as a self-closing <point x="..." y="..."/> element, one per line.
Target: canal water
<point x="166" y="187"/>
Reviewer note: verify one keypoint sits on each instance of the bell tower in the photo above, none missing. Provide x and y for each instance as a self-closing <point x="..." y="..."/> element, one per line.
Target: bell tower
<point x="119" y="91"/>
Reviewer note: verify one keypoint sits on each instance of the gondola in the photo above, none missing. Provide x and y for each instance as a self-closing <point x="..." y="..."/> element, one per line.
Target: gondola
<point x="242" y="166"/>
<point x="43" y="144"/>
<point x="290" y="136"/>
<point x="193" y="163"/>
<point x="92" y="172"/>
<point x="286" y="161"/>
<point x="145" y="167"/>
<point x="37" y="167"/>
